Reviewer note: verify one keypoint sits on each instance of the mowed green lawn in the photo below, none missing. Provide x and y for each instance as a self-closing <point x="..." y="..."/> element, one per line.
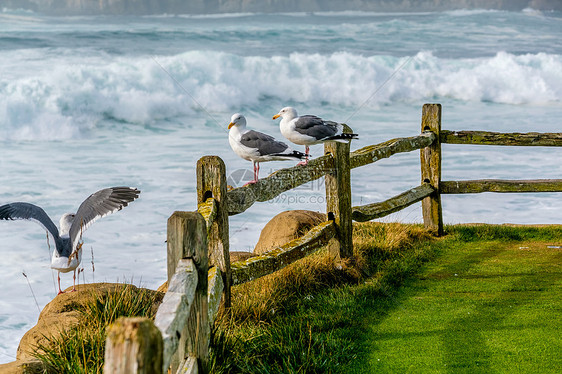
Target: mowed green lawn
<point x="490" y="302"/>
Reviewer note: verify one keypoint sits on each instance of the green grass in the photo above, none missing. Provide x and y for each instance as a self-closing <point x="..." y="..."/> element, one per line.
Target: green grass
<point x="490" y="303"/>
<point x="484" y="304"/>
<point x="80" y="349"/>
<point x="483" y="299"/>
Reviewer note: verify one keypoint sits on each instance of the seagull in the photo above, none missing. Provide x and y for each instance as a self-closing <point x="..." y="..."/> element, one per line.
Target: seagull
<point x="68" y="251"/>
<point x="256" y="146"/>
<point x="308" y="130"/>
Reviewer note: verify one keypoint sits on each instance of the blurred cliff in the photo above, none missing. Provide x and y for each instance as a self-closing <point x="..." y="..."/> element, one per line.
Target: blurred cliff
<point x="139" y="7"/>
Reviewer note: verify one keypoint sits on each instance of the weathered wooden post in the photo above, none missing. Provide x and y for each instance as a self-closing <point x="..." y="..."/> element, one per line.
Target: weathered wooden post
<point x="187" y="239"/>
<point x="338" y="194"/>
<point x="211" y="182"/>
<point x="431" y="169"/>
<point x="133" y="346"/>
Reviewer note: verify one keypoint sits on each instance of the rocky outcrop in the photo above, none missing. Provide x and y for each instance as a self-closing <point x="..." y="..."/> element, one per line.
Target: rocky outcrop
<point x="285" y="227"/>
<point x="60" y="314"/>
<point x="138" y="7"/>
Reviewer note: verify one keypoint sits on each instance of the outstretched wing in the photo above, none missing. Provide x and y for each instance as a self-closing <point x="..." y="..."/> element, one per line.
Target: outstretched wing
<point x="34" y="213"/>
<point x="98" y="205"/>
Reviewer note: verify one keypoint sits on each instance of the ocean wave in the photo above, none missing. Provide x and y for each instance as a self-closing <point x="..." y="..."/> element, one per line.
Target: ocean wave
<point x="66" y="97"/>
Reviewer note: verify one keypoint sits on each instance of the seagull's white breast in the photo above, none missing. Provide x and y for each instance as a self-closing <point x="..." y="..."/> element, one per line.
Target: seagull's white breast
<point x="234" y="136"/>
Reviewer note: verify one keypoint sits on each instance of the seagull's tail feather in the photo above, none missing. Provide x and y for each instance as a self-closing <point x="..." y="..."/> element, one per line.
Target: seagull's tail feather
<point x="291" y="155"/>
<point x="343" y="138"/>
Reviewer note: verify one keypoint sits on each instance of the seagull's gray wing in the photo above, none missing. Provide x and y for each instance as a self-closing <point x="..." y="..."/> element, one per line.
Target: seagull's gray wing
<point x="98" y="205"/>
<point x="315" y="127"/>
<point x="263" y="143"/>
<point x="34" y="213"/>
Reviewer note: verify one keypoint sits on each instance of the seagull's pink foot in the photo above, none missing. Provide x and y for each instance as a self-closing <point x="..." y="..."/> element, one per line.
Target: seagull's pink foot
<point x="303" y="163"/>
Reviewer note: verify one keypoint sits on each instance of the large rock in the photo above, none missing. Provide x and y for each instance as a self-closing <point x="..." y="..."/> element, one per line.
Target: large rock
<point x="60" y="314"/>
<point x="285" y="227"/>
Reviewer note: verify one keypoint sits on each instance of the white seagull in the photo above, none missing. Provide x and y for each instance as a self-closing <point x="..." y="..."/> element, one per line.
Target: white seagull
<point x="308" y="130"/>
<point x="68" y="250"/>
<point x="256" y="146"/>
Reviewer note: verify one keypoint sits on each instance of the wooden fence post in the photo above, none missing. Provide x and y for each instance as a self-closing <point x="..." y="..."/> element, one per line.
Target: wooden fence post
<point x="338" y="194"/>
<point x="133" y="346"/>
<point x="430" y="158"/>
<point x="211" y="182"/>
<point x="187" y="238"/>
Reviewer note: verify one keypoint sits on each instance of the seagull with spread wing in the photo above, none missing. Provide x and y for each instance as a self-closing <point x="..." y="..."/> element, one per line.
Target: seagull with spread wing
<point x="68" y="248"/>
<point x="308" y="129"/>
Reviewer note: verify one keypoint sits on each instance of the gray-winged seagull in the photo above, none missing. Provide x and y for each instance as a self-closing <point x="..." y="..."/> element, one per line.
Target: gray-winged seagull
<point x="68" y="248"/>
<point x="256" y="146"/>
<point x="308" y="130"/>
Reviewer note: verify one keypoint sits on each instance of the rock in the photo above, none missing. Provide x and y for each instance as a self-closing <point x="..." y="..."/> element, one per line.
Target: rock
<point x="285" y="227"/>
<point x="22" y="367"/>
<point x="61" y="313"/>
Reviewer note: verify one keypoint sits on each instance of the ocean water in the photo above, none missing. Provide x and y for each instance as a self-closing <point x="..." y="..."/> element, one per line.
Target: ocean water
<point x="91" y="102"/>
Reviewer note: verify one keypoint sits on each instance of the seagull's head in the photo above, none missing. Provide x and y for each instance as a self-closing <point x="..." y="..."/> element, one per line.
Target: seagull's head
<point x="287" y="113"/>
<point x="65" y="223"/>
<point x="237" y="120"/>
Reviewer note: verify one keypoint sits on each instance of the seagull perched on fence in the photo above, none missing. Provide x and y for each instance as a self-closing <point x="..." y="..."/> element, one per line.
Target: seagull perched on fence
<point x="256" y="146"/>
<point x="308" y="130"/>
<point x="68" y="248"/>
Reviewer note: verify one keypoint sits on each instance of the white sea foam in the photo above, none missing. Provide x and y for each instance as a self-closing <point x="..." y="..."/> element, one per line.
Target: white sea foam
<point x="65" y="97"/>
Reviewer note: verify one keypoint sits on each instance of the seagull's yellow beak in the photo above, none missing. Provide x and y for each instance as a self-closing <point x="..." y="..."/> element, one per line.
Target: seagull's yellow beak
<point x="276" y="116"/>
<point x="230" y="125"/>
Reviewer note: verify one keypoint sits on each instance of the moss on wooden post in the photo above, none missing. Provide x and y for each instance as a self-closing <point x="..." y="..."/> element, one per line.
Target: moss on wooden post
<point x="338" y="194"/>
<point x="430" y="158"/>
<point x="211" y="182"/>
<point x="133" y="346"/>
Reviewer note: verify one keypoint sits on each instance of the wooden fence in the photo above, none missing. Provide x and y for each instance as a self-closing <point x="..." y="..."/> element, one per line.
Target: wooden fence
<point x="178" y="340"/>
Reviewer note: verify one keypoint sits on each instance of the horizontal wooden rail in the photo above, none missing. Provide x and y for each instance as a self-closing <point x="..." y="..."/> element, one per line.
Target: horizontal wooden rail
<point x="176" y="307"/>
<point x="377" y="210"/>
<point x="373" y="153"/>
<point x="497" y="138"/>
<point x="498" y="185"/>
<point x="270" y="262"/>
<point x="241" y="198"/>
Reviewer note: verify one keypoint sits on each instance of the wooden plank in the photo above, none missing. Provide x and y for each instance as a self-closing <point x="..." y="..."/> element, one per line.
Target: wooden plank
<point x="242" y="198"/>
<point x="377" y="210"/>
<point x="497" y="138"/>
<point x="338" y="194"/>
<point x="189" y="366"/>
<point x="175" y="308"/>
<point x="211" y="182"/>
<point x="215" y="289"/>
<point x="208" y="210"/>
<point x="133" y="346"/>
<point x="270" y="262"/>
<point x="373" y="153"/>
<point x="502" y="186"/>
<point x="430" y="160"/>
<point x="186" y="235"/>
